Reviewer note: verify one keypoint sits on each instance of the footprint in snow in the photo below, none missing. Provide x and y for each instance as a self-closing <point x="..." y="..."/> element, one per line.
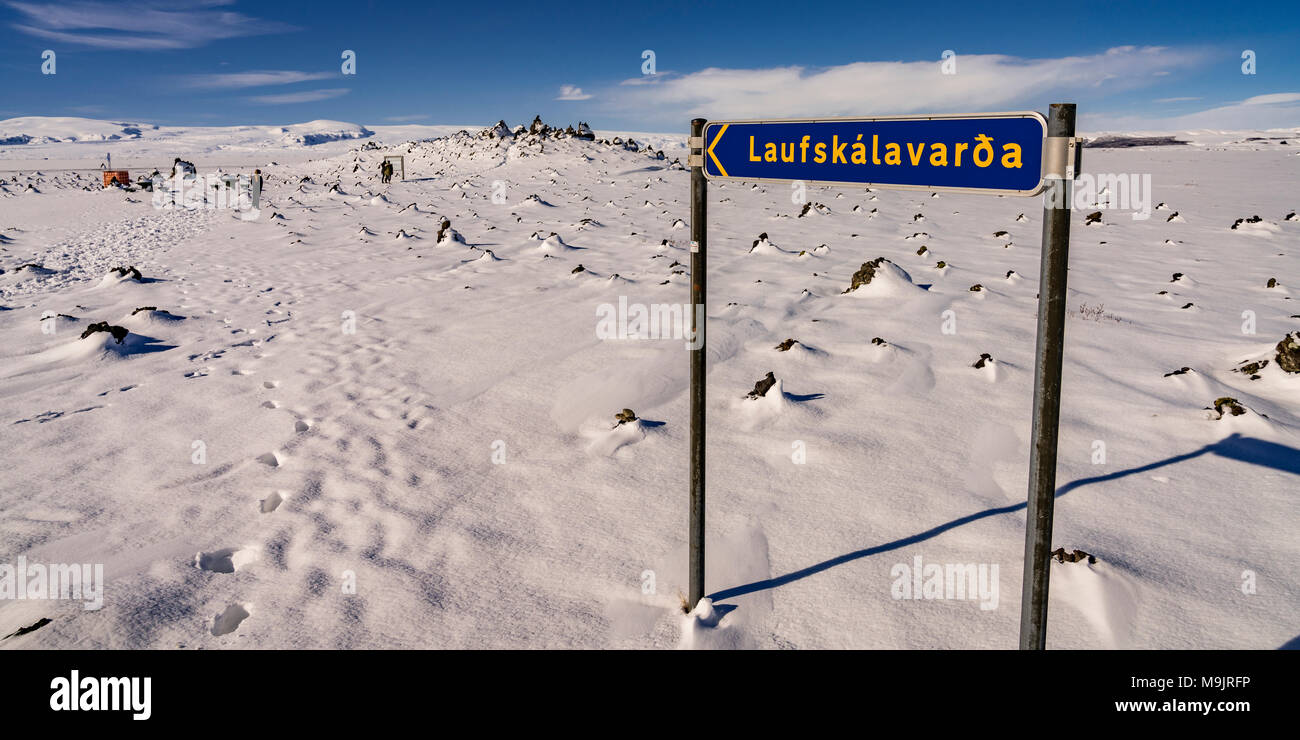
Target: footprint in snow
<point x="227" y="560"/>
<point x="271" y="502"/>
<point x="229" y="619"/>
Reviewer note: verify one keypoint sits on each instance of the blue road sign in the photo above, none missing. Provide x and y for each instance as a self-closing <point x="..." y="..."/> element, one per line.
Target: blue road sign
<point x="981" y="152"/>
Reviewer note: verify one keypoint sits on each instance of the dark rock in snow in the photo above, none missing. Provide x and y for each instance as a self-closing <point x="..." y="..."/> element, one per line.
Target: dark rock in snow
<point x="1226" y="405"/>
<point x="763" y="386"/>
<point x="866" y="273"/>
<point x="29" y="628"/>
<point x="1288" y="352"/>
<point x="1072" y="557"/>
<point x="1252" y="368"/>
<point x="446" y="232"/>
<point x="119" y="333"/>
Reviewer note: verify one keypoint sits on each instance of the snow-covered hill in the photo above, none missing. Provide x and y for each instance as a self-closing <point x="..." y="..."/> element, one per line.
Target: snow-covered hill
<point x="55" y="130"/>
<point x="46" y="130"/>
<point x="82" y="143"/>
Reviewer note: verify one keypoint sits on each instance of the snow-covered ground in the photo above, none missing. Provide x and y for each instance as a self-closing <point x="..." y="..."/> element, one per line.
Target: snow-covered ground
<point x="330" y="398"/>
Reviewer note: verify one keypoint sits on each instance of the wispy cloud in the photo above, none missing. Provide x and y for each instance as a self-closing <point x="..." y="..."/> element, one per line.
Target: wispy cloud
<point x="263" y="78"/>
<point x="1260" y="112"/>
<point x="569" y="92"/>
<point x="1176" y="100"/>
<point x="982" y="82"/>
<point x="1272" y="99"/>
<point x="149" y="26"/>
<point x="306" y="96"/>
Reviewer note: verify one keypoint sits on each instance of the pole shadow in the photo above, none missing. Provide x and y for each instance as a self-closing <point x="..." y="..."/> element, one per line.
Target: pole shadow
<point x="1234" y="447"/>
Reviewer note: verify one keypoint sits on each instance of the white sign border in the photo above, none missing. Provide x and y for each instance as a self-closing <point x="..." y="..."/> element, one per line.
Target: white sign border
<point x="1042" y="181"/>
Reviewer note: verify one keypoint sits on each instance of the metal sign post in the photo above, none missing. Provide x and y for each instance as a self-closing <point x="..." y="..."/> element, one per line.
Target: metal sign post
<point x="1047" y="376"/>
<point x="699" y="240"/>
<point x="1011" y="153"/>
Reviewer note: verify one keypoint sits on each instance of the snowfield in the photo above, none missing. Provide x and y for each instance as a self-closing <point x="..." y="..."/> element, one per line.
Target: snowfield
<point x="384" y="415"/>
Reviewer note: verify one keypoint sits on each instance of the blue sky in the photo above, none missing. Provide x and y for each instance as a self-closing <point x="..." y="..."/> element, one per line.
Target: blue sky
<point x="221" y="62"/>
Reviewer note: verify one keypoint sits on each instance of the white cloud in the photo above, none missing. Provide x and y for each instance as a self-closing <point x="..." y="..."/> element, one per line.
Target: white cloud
<point x="982" y="82"/>
<point x="1272" y="99"/>
<point x="569" y="92"/>
<point x="149" y="25"/>
<point x="306" y="96"/>
<point x="252" y="79"/>
<point x="1175" y="100"/>
<point x="1261" y="112"/>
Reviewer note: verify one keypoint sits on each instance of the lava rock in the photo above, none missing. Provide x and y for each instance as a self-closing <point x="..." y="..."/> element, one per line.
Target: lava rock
<point x="763" y="386"/>
<point x="1072" y="557"/>
<point x="865" y="274"/>
<point x="119" y="333"/>
<point x="1228" y="405"/>
<point x="1288" y="353"/>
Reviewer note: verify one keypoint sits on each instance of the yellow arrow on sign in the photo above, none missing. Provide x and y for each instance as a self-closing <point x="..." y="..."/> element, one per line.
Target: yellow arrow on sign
<point x="716" y="139"/>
